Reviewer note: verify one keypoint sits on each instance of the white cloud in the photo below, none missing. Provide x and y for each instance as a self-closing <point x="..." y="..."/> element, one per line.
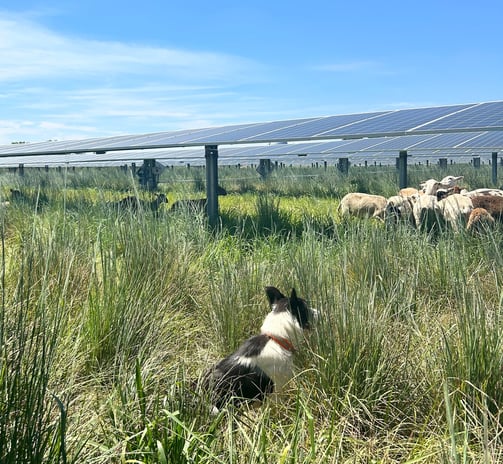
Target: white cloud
<point x="30" y="51"/>
<point x="60" y="87"/>
<point x="362" y="66"/>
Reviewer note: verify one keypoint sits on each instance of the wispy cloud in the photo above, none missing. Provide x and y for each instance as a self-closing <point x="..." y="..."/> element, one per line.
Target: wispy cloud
<point x="346" y="66"/>
<point x="356" y="66"/>
<point x="56" y="86"/>
<point x="30" y="51"/>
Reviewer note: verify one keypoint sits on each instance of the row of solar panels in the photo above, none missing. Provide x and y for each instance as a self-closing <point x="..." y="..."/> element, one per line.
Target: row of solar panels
<point x="479" y="117"/>
<point x="467" y="143"/>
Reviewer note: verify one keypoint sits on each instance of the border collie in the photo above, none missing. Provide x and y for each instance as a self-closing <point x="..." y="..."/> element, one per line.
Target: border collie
<point x="263" y="363"/>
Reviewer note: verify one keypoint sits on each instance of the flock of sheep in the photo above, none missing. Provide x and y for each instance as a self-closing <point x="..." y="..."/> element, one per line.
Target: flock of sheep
<point x="434" y="205"/>
<point x="133" y="203"/>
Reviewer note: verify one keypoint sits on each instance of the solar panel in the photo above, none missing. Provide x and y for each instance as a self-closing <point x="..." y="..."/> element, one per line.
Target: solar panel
<point x="405" y="142"/>
<point x="187" y="136"/>
<point x="481" y="116"/>
<point x="365" y="131"/>
<point x="451" y="140"/>
<point x="356" y="145"/>
<point x="493" y="140"/>
<point x="395" y="122"/>
<point x="311" y="128"/>
<point x="243" y="134"/>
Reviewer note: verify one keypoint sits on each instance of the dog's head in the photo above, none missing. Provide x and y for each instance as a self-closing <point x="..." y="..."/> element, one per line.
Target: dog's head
<point x="297" y="307"/>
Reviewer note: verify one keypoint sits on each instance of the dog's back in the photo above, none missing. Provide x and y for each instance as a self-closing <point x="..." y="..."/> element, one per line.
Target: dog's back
<point x="263" y="363"/>
<point x="235" y="379"/>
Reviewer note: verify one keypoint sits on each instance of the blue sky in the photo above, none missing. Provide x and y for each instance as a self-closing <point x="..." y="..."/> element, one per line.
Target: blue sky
<point x="73" y="70"/>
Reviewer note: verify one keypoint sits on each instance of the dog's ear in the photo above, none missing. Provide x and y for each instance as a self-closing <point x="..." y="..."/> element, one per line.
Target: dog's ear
<point x="293" y="295"/>
<point x="273" y="294"/>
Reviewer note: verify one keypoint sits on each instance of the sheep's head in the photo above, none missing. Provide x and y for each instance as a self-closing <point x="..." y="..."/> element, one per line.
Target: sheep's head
<point x="450" y="181"/>
<point x="430" y="186"/>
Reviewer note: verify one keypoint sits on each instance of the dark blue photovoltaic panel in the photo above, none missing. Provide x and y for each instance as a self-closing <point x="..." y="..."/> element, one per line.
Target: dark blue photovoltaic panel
<point x="451" y="140"/>
<point x="490" y="139"/>
<point x="314" y="147"/>
<point x="459" y="126"/>
<point x="404" y="142"/>
<point x="208" y="135"/>
<point x="240" y="150"/>
<point x="397" y="121"/>
<point x="246" y="132"/>
<point x="483" y="115"/>
<point x="311" y="128"/>
<point x="357" y="145"/>
<point x="163" y="138"/>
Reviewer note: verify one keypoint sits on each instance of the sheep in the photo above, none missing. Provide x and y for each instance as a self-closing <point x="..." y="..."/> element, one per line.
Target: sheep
<point x="197" y="205"/>
<point x="456" y="209"/>
<point x="479" y="221"/>
<point x="427" y="213"/>
<point x="484" y="191"/>
<point x="133" y="203"/>
<point x="363" y="205"/>
<point x="399" y="208"/>
<point x="408" y="192"/>
<point x="193" y="206"/>
<point x="17" y="195"/>
<point x="431" y="186"/>
<point x="451" y="181"/>
<point x="493" y="204"/>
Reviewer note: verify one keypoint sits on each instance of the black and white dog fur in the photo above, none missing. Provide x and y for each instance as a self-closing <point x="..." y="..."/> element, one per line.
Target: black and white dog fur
<point x="263" y="363"/>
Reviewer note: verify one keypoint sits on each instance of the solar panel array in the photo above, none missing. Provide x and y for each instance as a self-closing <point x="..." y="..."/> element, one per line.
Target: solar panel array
<point x="475" y="143"/>
<point x="470" y="126"/>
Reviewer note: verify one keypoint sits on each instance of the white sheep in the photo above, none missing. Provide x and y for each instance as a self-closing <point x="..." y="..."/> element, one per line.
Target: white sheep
<point x="408" y="192"/>
<point x="451" y="181"/>
<point x="399" y="208"/>
<point x="363" y="205"/>
<point x="431" y="186"/>
<point x="456" y="209"/>
<point x="427" y="213"/>
<point x="484" y="191"/>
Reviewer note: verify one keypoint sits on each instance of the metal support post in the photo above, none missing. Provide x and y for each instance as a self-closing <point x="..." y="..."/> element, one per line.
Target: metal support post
<point x="494" y="165"/>
<point x="211" y="155"/>
<point x="402" y="169"/>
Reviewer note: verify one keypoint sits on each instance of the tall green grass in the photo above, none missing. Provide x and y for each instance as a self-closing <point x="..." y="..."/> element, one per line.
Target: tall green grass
<point x="109" y="320"/>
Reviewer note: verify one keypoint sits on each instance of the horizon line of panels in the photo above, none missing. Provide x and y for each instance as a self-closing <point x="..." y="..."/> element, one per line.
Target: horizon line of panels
<point x="456" y="143"/>
<point x="243" y="160"/>
<point x="468" y="117"/>
<point x="489" y="140"/>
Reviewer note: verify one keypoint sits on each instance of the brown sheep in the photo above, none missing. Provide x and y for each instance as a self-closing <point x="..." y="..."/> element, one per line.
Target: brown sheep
<point x="492" y="203"/>
<point x="133" y="203"/>
<point x="480" y="219"/>
<point x="195" y="206"/>
<point x="192" y="206"/>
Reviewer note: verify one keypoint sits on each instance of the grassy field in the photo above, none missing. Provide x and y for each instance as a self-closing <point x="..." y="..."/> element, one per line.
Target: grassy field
<point x="109" y="318"/>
